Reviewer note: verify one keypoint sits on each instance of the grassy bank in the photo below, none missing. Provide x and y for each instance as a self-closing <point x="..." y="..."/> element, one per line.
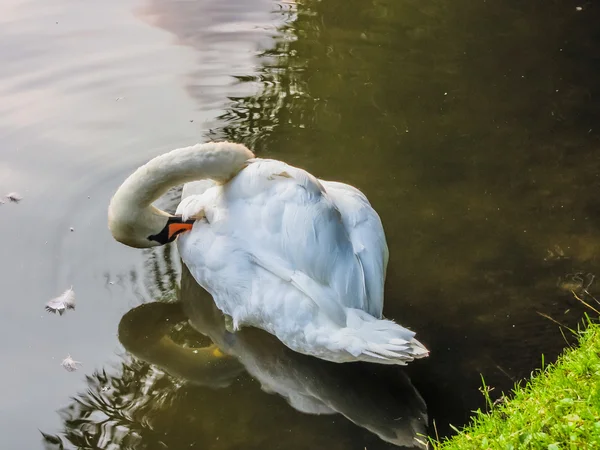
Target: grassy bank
<point x="559" y="408"/>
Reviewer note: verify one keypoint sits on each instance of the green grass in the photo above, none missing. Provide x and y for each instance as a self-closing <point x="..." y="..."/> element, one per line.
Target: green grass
<point x="558" y="408"/>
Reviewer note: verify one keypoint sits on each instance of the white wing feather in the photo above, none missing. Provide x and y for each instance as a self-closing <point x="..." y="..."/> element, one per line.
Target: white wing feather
<point x="368" y="240"/>
<point x="61" y="303"/>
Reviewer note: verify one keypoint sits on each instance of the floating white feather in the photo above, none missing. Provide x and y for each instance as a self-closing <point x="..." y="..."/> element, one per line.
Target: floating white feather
<point x="61" y="303"/>
<point x="14" y="197"/>
<point x="70" y="364"/>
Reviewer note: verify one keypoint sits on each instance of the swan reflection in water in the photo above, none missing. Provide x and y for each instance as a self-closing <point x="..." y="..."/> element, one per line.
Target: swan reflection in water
<point x="186" y="382"/>
<point x="383" y="402"/>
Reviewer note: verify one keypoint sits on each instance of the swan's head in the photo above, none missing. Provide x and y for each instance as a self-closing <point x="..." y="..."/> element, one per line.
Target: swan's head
<point x="148" y="228"/>
<point x="133" y="220"/>
<point x="145" y="228"/>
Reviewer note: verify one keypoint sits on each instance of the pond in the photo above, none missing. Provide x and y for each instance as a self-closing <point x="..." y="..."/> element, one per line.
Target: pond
<point x="472" y="127"/>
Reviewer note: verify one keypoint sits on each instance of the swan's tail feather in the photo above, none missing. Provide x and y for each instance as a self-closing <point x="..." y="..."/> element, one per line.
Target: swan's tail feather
<point x="366" y="338"/>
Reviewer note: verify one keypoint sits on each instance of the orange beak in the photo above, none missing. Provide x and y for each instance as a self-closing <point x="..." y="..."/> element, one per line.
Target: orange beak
<point x="178" y="228"/>
<point x="174" y="227"/>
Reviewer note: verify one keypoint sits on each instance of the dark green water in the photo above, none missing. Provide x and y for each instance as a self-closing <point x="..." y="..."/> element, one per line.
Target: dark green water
<point x="472" y="126"/>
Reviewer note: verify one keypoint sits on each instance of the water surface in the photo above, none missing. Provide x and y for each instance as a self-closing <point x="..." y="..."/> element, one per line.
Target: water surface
<point x="471" y="127"/>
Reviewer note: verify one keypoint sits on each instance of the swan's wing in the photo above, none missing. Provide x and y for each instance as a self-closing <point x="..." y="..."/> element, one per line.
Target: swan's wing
<point x="280" y="219"/>
<point x="368" y="239"/>
<point x="280" y="225"/>
<point x="295" y="220"/>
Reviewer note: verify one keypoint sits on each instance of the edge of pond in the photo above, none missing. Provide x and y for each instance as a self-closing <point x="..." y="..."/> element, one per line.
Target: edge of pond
<point x="558" y="407"/>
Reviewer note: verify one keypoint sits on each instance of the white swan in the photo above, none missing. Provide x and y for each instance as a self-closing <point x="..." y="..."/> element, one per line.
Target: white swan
<point x="278" y="249"/>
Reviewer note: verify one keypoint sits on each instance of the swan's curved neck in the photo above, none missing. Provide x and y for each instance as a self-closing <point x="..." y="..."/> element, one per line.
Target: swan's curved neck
<point x="131" y="217"/>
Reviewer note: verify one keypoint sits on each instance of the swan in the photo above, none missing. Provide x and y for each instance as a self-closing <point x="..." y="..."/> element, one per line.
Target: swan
<point x="278" y="249"/>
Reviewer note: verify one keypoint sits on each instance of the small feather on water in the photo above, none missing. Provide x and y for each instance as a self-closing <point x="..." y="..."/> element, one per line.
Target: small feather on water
<point x="61" y="303"/>
<point x="70" y="364"/>
<point x="14" y="197"/>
